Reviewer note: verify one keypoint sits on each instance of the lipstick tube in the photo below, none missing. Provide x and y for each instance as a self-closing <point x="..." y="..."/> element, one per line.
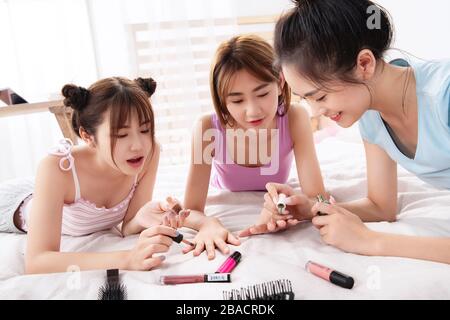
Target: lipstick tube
<point x="330" y="275"/>
<point x="213" y="277"/>
<point x="281" y="203"/>
<point x="230" y="263"/>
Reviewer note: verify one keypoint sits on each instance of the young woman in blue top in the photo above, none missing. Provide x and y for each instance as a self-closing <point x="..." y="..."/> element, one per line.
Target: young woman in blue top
<point x="331" y="53"/>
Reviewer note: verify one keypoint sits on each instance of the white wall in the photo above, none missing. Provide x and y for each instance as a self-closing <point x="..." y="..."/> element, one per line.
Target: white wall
<point x="422" y="27"/>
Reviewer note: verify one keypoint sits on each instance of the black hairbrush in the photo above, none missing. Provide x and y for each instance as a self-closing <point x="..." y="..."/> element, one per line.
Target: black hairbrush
<point x="272" y="290"/>
<point x="112" y="289"/>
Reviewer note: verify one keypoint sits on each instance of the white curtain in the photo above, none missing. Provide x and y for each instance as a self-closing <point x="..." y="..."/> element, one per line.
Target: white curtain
<point x="47" y="43"/>
<point x="173" y="42"/>
<point x="44" y="44"/>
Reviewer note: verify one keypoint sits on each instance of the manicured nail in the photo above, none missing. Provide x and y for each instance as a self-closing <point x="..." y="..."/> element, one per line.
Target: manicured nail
<point x="332" y="200"/>
<point x="162" y="258"/>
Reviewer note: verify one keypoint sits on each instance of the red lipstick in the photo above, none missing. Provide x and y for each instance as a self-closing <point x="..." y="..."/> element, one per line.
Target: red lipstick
<point x="136" y="162"/>
<point x="256" y="122"/>
<point x="337" y="117"/>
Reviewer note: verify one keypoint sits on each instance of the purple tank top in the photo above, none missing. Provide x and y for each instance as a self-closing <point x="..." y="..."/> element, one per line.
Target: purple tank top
<point x="226" y="174"/>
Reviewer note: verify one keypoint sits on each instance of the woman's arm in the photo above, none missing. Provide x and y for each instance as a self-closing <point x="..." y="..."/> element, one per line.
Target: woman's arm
<point x="381" y="201"/>
<point x="211" y="232"/>
<point x="197" y="184"/>
<point x="142" y="195"/>
<point x="44" y="232"/>
<point x="345" y="230"/>
<point x="425" y="248"/>
<point x="308" y="169"/>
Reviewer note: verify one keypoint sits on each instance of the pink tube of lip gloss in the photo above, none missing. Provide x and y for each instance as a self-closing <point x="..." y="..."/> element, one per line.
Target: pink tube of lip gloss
<point x="230" y="263"/>
<point x="330" y="275"/>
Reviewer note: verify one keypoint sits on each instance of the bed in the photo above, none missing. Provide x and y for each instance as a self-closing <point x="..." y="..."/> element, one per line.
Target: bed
<point x="425" y="211"/>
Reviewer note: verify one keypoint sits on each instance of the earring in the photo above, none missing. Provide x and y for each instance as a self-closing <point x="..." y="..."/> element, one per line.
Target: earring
<point x="281" y="106"/>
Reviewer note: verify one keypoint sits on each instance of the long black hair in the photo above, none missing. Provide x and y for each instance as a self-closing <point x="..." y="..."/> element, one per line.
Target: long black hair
<point x="322" y="38"/>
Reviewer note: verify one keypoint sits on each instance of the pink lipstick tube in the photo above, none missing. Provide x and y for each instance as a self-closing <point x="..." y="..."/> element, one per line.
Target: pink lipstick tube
<point x="330" y="275"/>
<point x="230" y="263"/>
<point x="180" y="279"/>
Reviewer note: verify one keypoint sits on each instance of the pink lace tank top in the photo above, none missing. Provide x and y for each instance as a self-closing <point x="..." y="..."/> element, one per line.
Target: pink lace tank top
<point x="81" y="217"/>
<point x="226" y="174"/>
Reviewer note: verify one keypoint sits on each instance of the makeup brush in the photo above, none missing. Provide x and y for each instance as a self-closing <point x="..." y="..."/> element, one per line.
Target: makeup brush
<point x="112" y="289"/>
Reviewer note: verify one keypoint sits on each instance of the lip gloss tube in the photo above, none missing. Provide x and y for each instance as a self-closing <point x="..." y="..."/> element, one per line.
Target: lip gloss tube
<point x="320" y="198"/>
<point x="213" y="277"/>
<point x="230" y="263"/>
<point x="281" y="203"/>
<point x="330" y="275"/>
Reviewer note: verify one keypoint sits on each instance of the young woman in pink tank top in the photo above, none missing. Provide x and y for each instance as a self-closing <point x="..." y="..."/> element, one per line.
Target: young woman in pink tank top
<point x="112" y="183"/>
<point x="249" y="141"/>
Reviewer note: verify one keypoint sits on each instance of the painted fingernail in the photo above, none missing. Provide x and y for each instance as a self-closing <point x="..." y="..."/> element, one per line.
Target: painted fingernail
<point x="162" y="258"/>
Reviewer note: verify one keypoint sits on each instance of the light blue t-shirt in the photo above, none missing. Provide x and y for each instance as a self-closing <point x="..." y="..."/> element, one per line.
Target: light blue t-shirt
<point x="431" y="162"/>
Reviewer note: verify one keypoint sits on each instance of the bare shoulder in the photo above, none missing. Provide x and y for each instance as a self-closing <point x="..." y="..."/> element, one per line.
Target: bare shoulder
<point x="297" y="113"/>
<point x="204" y="121"/>
<point x="299" y="123"/>
<point x="49" y="166"/>
<point x="51" y="177"/>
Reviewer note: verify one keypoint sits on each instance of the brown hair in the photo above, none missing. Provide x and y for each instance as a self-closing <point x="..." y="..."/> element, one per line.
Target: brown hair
<point x="120" y="95"/>
<point x="249" y="52"/>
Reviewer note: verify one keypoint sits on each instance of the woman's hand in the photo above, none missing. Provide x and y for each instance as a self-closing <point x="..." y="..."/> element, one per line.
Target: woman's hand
<point x="156" y="213"/>
<point x="212" y="234"/>
<point x="266" y="224"/>
<point x="298" y="208"/>
<point x="298" y="205"/>
<point x="172" y="217"/>
<point x="343" y="229"/>
<point x="153" y="240"/>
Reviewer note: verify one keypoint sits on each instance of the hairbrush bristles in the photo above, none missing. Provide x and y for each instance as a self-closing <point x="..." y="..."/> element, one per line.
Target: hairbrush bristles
<point x="113" y="289"/>
<point x="272" y="290"/>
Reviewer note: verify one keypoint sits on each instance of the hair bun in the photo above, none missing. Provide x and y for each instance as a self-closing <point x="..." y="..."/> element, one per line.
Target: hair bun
<point x="148" y="85"/>
<point x="75" y="97"/>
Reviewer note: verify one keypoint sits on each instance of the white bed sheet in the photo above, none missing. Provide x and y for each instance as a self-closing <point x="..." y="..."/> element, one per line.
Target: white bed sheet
<point x="425" y="211"/>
